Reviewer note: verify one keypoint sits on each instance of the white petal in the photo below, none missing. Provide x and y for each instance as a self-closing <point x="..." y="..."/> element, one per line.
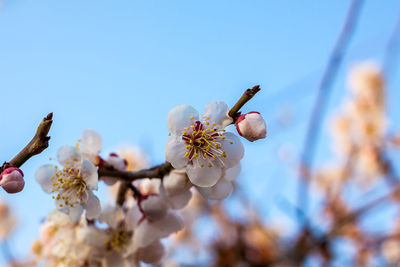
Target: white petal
<point x="89" y="174"/>
<point x="144" y="234"/>
<point x="151" y="253"/>
<point x="204" y="176"/>
<point x="148" y="232"/>
<point x="218" y="113"/>
<point x="133" y="217"/>
<point x="69" y="157"/>
<point x="176" y="182"/>
<point x="91" y="142"/>
<point x="175" y="153"/>
<point x="155" y="207"/>
<point x="219" y="191"/>
<point x="93" y="208"/>
<point x="232" y="173"/>
<point x="168" y="225"/>
<point x="43" y="177"/>
<point x="179" y="118"/>
<point x="178" y="202"/>
<point x="234" y="149"/>
<point x="75" y="212"/>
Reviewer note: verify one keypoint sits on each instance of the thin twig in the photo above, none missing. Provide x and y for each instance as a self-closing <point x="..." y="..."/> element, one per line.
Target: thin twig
<point x="320" y="104"/>
<point x="234" y="113"/>
<point x="38" y="143"/>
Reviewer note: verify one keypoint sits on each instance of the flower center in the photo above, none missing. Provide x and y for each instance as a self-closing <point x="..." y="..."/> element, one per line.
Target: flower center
<point x="119" y="239"/>
<point x="70" y="186"/>
<point x="204" y="142"/>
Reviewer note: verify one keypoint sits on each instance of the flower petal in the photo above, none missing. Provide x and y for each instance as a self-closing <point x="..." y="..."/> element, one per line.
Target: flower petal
<point x="92" y="206"/>
<point x="234" y="149"/>
<point x="175" y="153"/>
<point x="151" y="253"/>
<point x="176" y="182"/>
<point x="232" y="173"/>
<point x="89" y="174"/>
<point x="91" y="142"/>
<point x="204" y="176"/>
<point x="217" y="112"/>
<point x="178" y="202"/>
<point x="179" y="118"/>
<point x="219" y="191"/>
<point x="75" y="212"/>
<point x="43" y="177"/>
<point x="69" y="157"/>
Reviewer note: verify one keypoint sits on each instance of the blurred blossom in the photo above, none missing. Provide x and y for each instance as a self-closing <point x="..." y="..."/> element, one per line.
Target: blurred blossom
<point x="7" y="221"/>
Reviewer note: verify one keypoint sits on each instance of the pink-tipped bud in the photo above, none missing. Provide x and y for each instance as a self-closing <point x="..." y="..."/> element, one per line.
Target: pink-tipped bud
<point x="251" y="126"/>
<point x="12" y="180"/>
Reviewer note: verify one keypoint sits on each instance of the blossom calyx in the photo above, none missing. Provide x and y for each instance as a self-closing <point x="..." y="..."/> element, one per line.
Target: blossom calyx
<point x="12" y="180"/>
<point x="251" y="126"/>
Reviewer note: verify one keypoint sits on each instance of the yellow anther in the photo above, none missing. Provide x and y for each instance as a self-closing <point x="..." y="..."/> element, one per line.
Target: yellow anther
<point x="186" y="154"/>
<point x="213" y="124"/>
<point x="78" y="175"/>
<point x="69" y="171"/>
<point x="187" y="128"/>
<point x="195" y="155"/>
<point x="207" y="123"/>
<point x="191" y="117"/>
<point x="184" y="133"/>
<point x="205" y="154"/>
<point x="50" y="158"/>
<point x="202" y="165"/>
<point x="169" y="134"/>
<point x="67" y="162"/>
<point x="192" y="126"/>
<point x="188" y="146"/>
<point x="207" y="118"/>
<point x="223" y="137"/>
<point x="223" y="167"/>
<point x="230" y="142"/>
<point x="210" y="165"/>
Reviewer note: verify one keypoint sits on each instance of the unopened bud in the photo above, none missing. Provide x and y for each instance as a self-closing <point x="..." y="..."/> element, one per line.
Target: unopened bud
<point x="12" y="180"/>
<point x="251" y="126"/>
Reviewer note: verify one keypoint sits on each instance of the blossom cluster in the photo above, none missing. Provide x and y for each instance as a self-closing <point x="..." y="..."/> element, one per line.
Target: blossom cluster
<point x="82" y="232"/>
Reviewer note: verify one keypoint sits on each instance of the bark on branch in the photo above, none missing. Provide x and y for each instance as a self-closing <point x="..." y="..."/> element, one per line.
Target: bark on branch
<point x="38" y="143"/>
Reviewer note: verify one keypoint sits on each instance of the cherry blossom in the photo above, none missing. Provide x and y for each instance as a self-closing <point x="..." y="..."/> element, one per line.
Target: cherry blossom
<point x="73" y="184"/>
<point x="203" y="147"/>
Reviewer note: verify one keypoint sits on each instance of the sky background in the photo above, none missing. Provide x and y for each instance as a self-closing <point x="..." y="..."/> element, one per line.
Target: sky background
<point x="118" y="67"/>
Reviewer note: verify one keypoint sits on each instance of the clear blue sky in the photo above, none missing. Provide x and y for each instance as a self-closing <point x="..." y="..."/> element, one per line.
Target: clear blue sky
<point x="118" y="67"/>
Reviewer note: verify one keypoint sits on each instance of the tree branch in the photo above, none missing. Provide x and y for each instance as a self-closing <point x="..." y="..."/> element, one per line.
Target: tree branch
<point x="247" y="95"/>
<point x="38" y="143"/>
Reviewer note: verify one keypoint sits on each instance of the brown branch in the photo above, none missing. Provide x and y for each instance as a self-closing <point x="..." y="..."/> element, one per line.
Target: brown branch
<point x="38" y="143"/>
<point x="247" y="95"/>
<point x="155" y="172"/>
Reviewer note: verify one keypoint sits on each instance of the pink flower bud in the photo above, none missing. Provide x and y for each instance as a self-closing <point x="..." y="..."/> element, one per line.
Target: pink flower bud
<point x="251" y="126"/>
<point x="12" y="180"/>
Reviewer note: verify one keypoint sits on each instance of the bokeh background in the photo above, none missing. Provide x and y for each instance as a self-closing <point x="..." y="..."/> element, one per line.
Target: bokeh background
<point x="118" y="67"/>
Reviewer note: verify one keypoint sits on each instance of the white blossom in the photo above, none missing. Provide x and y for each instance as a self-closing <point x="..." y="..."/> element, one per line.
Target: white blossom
<point x="203" y="147"/>
<point x="73" y="184"/>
